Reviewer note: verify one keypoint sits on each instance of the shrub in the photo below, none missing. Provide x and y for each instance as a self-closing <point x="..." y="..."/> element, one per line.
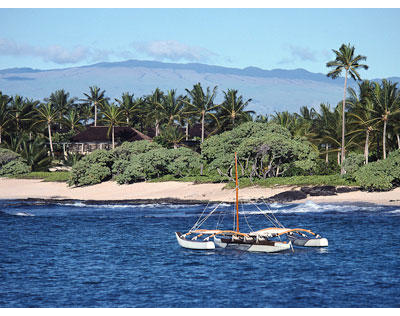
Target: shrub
<point x="184" y="162"/>
<point x="14" y="167"/>
<point x="353" y="162"/>
<point x="157" y="163"/>
<point x="264" y="150"/>
<point x="380" y="175"/>
<point x="7" y="155"/>
<point x="323" y="168"/>
<point x="133" y="148"/>
<point x="93" y="168"/>
<point x="11" y="163"/>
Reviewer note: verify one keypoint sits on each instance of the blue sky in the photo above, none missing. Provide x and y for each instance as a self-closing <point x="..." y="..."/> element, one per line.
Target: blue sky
<point x="266" y="38"/>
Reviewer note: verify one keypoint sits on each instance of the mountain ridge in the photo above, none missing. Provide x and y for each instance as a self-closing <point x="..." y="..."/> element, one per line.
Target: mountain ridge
<point x="271" y="90"/>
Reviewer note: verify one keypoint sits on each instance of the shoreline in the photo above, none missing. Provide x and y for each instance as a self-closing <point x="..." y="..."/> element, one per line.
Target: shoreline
<point x="174" y="192"/>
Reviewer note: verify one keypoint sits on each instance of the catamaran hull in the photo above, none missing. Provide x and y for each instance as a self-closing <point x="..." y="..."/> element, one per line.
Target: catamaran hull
<point x="277" y="247"/>
<point x="194" y="244"/>
<point x="309" y="242"/>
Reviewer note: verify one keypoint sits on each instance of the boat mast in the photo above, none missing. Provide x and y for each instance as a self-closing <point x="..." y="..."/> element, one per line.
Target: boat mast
<point x="237" y="195"/>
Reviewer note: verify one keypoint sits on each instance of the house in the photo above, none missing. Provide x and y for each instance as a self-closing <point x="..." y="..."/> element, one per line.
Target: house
<point x="97" y="137"/>
<point x="191" y="131"/>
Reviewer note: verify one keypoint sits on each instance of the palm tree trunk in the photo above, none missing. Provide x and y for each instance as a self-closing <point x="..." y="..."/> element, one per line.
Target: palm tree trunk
<point x="384" y="139"/>
<point x="95" y="113"/>
<point x="51" y="142"/>
<point x="202" y="127"/>
<point x="342" y="171"/>
<point x="326" y="154"/>
<point x="338" y="158"/>
<point x="157" y="127"/>
<point x="187" y="131"/>
<point x="1" y="129"/>
<point x="112" y="135"/>
<point x="397" y="135"/>
<point x="366" y="151"/>
<point x="175" y="146"/>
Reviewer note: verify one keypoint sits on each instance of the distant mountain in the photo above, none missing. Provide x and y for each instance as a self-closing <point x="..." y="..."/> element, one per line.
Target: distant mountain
<point x="271" y="90"/>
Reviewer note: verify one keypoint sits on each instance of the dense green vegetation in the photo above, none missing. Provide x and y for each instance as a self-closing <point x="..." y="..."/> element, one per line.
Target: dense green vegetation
<point x="358" y="137"/>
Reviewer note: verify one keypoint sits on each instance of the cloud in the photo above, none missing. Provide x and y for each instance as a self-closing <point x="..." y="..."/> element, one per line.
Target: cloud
<point x="173" y="50"/>
<point x="298" y="53"/>
<point x="55" y="53"/>
<point x="160" y="50"/>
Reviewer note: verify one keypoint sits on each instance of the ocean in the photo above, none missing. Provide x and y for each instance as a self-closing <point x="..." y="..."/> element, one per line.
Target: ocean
<point x="116" y="255"/>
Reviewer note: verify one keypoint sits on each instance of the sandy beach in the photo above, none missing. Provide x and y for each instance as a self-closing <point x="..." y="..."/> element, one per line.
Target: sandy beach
<point x="37" y="189"/>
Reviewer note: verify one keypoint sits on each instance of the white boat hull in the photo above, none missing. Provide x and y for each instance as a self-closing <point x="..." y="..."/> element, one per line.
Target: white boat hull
<point x="194" y="244"/>
<point x="309" y="242"/>
<point x="253" y="247"/>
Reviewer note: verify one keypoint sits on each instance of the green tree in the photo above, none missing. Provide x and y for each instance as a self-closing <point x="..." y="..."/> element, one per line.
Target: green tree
<point x="172" y="135"/>
<point x="94" y="98"/>
<point x="5" y="116"/>
<point x="232" y="110"/>
<point x="202" y="104"/>
<point x="386" y="99"/>
<point x="128" y="105"/>
<point x="171" y="108"/>
<point x="329" y="127"/>
<point x="345" y="60"/>
<point x="47" y="113"/>
<point x="153" y="103"/>
<point x="362" y="114"/>
<point x="35" y="154"/>
<point x="72" y="119"/>
<point x="61" y="102"/>
<point x="21" y="112"/>
<point x="112" y="117"/>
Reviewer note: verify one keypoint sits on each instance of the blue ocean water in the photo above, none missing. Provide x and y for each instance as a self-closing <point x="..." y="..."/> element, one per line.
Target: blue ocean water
<point x="77" y="255"/>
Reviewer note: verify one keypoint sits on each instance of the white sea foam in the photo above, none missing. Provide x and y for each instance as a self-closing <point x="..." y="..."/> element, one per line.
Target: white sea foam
<point x="312" y="207"/>
<point x="23" y="214"/>
<point x="395" y="211"/>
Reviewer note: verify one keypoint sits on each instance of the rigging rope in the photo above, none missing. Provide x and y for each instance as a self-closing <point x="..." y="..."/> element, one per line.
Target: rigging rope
<point x="245" y="217"/>
<point x="203" y="220"/>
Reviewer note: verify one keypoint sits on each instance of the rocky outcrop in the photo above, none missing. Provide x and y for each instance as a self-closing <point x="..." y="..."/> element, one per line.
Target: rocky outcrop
<point x="321" y="190"/>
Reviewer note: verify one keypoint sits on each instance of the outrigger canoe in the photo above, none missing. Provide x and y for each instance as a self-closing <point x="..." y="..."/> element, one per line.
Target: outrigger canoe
<point x="264" y="240"/>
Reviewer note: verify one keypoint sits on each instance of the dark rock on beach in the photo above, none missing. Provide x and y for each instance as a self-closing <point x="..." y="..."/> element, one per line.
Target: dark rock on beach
<point x="347" y="189"/>
<point x="323" y="190"/>
<point x="288" y="196"/>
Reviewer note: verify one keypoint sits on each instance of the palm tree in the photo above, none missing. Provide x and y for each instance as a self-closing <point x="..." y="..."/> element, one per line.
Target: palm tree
<point x="396" y="129"/>
<point x="72" y="119"/>
<point x="128" y="105"/>
<point x="305" y="125"/>
<point x="284" y="119"/>
<point x="154" y="103"/>
<point x="361" y="110"/>
<point x="35" y="154"/>
<point x="232" y="110"/>
<point x="261" y="118"/>
<point x="171" y="108"/>
<point x="21" y="112"/>
<point x="172" y="135"/>
<point x="5" y="116"/>
<point x="328" y="126"/>
<point x="47" y="113"/>
<point x="386" y="99"/>
<point x="346" y="60"/>
<point x="61" y="101"/>
<point x="95" y="97"/>
<point x="202" y="104"/>
<point x="112" y="117"/>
